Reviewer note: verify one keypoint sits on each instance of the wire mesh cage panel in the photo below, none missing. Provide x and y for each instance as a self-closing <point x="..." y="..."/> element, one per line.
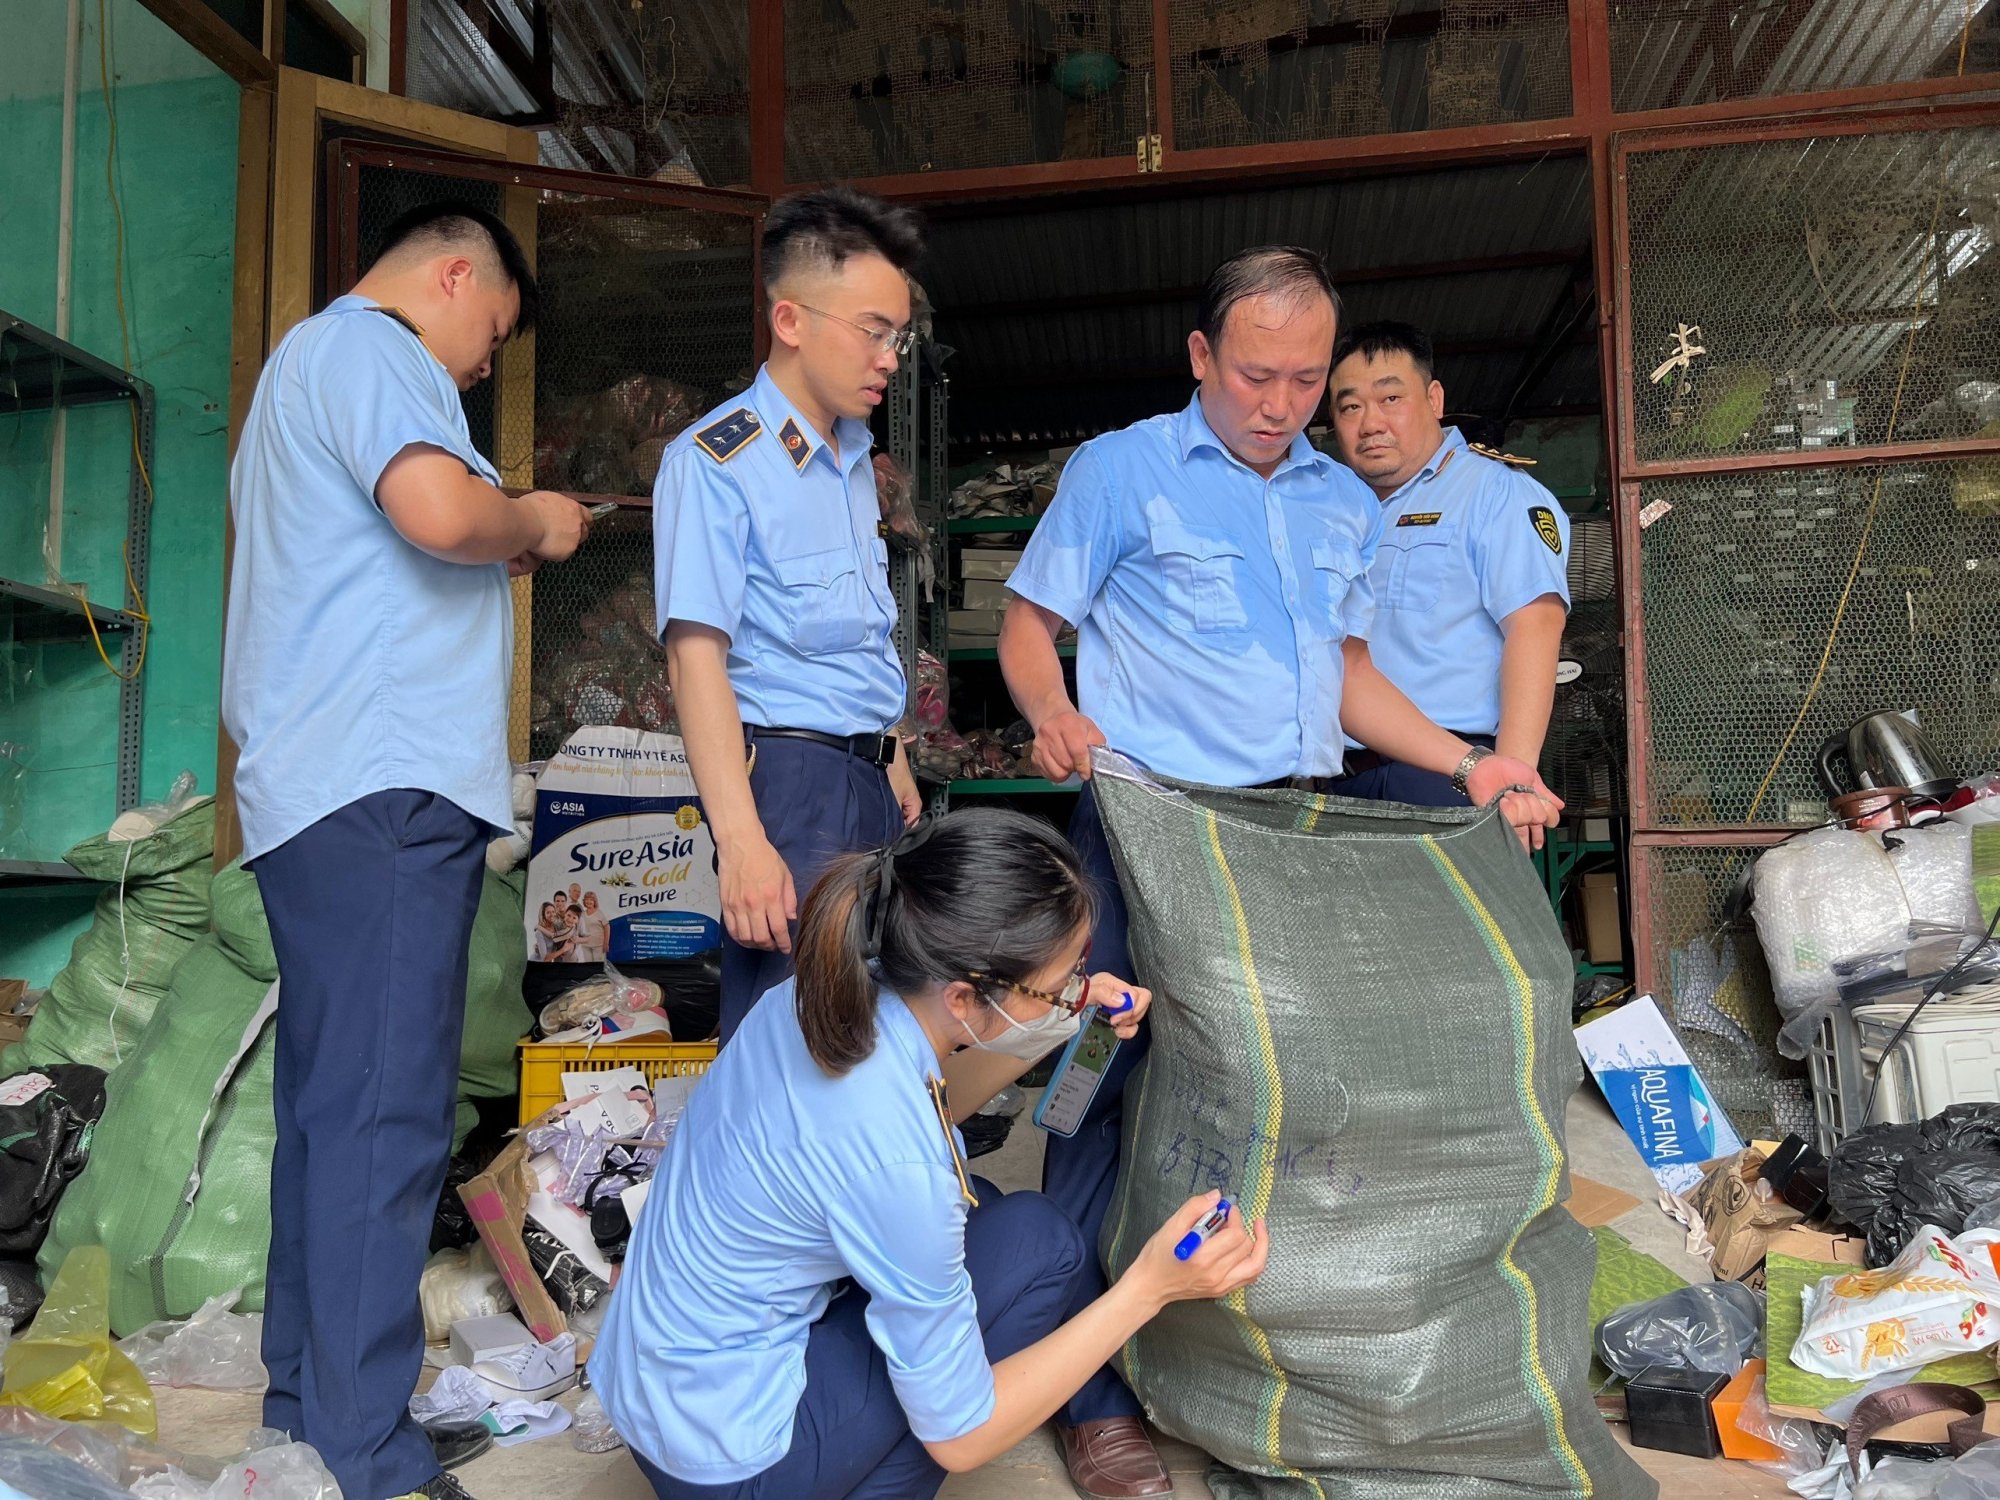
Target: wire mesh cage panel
<point x="1711" y="981"/>
<point x="1669" y="53"/>
<point x="1248" y="72"/>
<point x="635" y="88"/>
<point x="1779" y="288"/>
<point x="874" y="87"/>
<point x="1583" y="755"/>
<point x="595" y="656"/>
<point x="1742" y="580"/>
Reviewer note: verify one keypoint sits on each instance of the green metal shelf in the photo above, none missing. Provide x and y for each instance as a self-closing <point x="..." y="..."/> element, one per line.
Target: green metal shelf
<point x="974" y="525"/>
<point x="1019" y="786"/>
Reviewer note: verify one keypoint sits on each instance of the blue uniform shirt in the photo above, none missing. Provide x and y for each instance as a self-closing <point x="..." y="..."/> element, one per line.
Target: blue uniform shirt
<point x="1465" y="543"/>
<point x="761" y="533"/>
<point x="1210" y="603"/>
<point x="356" y="663"/>
<point x="779" y="1182"/>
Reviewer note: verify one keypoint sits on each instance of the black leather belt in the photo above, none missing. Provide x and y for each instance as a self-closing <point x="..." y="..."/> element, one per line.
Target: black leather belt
<point x="876" y="749"/>
<point x="1359" y="761"/>
<point x="1290" y="784"/>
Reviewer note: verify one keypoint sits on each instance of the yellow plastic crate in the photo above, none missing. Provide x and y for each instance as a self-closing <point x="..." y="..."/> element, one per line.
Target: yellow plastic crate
<point x="544" y="1063"/>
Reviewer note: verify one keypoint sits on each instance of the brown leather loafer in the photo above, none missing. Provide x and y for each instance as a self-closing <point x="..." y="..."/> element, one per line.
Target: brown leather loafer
<point x="1114" y="1460"/>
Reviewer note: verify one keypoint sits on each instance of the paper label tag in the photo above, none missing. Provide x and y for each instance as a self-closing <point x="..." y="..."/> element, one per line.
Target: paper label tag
<point x="18" y="1091"/>
<point x="1653" y="511"/>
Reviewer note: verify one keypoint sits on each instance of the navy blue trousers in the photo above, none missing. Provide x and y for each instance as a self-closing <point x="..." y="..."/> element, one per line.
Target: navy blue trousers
<point x="371" y="916"/>
<point x="1394" y="781"/>
<point x="1080" y="1172"/>
<point x="850" y="1439"/>
<point x="816" y="803"/>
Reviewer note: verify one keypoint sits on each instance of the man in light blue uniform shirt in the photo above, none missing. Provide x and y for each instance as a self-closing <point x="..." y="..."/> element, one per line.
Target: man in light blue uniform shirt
<point x="1216" y="568"/>
<point x="1471" y="582"/>
<point x="772" y="590"/>
<point x="366" y="668"/>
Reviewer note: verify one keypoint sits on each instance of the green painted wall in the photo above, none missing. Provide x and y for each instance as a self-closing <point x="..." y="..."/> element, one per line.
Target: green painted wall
<point x="176" y="187"/>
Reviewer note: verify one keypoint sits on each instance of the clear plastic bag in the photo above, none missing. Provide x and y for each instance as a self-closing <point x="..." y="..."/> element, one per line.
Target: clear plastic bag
<point x="27" y="1468"/>
<point x="143" y="822"/>
<point x="1793" y="1437"/>
<point x="1714" y="1327"/>
<point x="273" y="1467"/>
<point x="604" y="993"/>
<point x="460" y="1284"/>
<point x="215" y="1350"/>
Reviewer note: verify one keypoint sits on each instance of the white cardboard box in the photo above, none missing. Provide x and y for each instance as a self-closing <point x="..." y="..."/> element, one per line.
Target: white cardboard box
<point x="984" y="622"/>
<point x="985" y="593"/>
<point x="996" y="564"/>
<point x="1657" y="1094"/>
<point x="619" y="833"/>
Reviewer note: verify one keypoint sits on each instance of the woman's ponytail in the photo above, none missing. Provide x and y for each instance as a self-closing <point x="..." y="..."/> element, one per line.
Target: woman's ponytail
<point x="835" y="993"/>
<point x="982" y="891"/>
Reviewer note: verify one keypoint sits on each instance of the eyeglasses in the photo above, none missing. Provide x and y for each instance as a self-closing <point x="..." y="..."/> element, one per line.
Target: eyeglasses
<point x="899" y="341"/>
<point x="1072" y="997"/>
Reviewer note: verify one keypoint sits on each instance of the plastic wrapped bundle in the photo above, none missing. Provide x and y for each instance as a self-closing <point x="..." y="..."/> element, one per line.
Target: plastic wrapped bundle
<point x="1826" y="897"/>
<point x="1422" y="1329"/>
<point x="1934" y="864"/>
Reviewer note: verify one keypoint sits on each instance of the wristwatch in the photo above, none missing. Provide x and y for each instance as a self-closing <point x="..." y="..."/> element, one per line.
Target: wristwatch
<point x="1463" y="774"/>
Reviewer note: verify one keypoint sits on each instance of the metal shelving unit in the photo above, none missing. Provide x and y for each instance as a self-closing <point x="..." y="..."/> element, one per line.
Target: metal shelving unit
<point x="40" y="372"/>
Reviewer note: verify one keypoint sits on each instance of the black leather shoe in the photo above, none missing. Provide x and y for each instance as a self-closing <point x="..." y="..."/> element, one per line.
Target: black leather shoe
<point x="457" y="1446"/>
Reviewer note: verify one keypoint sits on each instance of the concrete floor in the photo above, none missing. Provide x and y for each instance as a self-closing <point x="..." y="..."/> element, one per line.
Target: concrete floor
<point x="214" y="1423"/>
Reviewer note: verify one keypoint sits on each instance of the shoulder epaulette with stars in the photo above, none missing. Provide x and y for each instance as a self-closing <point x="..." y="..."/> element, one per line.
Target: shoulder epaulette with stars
<point x="723" y="439"/>
<point x="1498" y="457"/>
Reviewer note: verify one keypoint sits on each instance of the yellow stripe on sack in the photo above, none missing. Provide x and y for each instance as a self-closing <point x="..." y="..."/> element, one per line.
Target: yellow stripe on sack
<point x="1274" y="1115"/>
<point x="1549" y="1148"/>
<point x="1309" y="817"/>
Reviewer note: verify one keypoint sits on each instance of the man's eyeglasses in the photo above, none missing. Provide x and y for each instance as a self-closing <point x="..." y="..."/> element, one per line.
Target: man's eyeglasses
<point x="1072" y="998"/>
<point x="899" y="341"/>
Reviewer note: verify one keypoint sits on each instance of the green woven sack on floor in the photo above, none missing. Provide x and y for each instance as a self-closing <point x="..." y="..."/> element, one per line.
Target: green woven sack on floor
<point x="196" y="1090"/>
<point x="148" y="917"/>
<point x="496" y="1018"/>
<point x="1360" y="1034"/>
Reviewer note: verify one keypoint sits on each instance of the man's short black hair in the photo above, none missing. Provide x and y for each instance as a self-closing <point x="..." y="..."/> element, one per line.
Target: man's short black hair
<point x="1373" y="340"/>
<point x="443" y="225"/>
<point x="829" y="226"/>
<point x="1289" y="272"/>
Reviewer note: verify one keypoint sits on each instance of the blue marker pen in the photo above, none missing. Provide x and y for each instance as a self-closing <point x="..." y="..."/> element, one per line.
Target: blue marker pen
<point x="1197" y="1236"/>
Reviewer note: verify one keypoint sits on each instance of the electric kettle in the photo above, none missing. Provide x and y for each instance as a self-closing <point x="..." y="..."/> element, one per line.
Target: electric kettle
<point x="1882" y="750"/>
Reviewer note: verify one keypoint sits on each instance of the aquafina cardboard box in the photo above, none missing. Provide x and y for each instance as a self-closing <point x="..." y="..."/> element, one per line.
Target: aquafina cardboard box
<point x="622" y="867"/>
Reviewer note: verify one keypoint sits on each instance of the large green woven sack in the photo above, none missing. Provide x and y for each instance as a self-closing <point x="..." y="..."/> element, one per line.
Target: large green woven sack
<point x="496" y="1018"/>
<point x="148" y="917"/>
<point x="1360" y="1033"/>
<point x="195" y="1090"/>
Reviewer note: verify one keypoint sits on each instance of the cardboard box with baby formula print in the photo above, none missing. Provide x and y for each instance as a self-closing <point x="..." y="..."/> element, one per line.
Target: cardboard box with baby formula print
<point x="622" y="864"/>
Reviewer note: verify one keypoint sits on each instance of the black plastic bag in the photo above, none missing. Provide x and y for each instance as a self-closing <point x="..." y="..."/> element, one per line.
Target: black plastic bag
<point x="1891" y="1180"/>
<point x="573" y="1287"/>
<point x="44" y="1146"/>
<point x="1712" y="1327"/>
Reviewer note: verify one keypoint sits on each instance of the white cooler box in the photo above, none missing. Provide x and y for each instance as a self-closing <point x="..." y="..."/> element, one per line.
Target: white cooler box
<point x="1950" y="1056"/>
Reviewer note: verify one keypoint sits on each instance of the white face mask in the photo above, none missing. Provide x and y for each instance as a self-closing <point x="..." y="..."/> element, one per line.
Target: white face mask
<point x="1030" y="1041"/>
